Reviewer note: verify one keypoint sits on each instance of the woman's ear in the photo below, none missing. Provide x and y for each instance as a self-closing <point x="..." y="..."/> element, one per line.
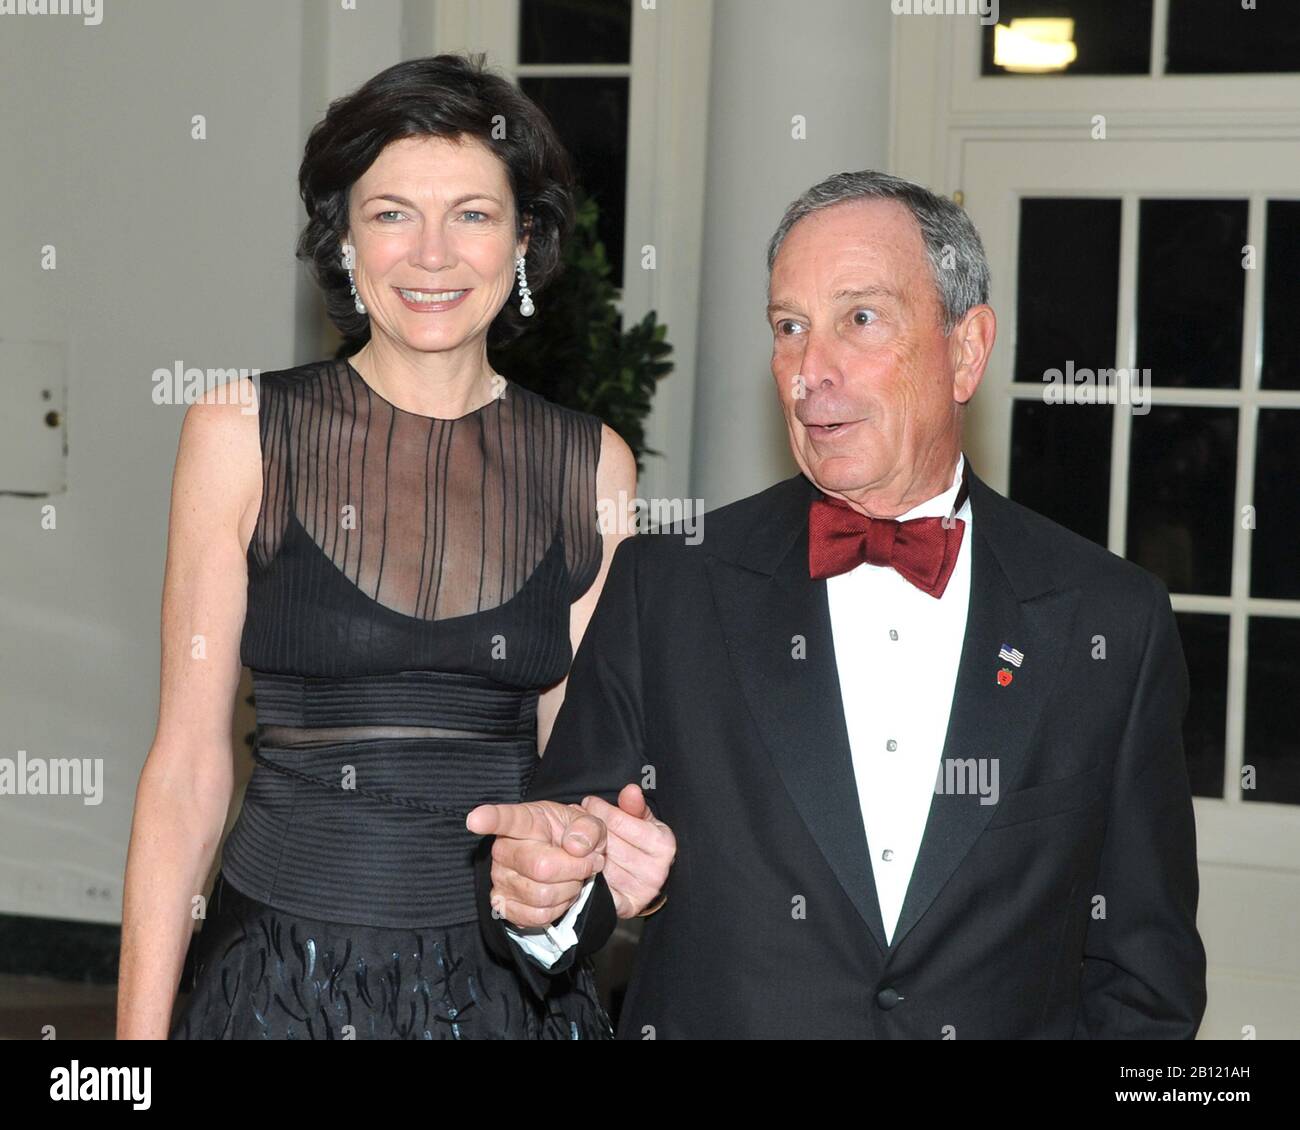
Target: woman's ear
<point x="522" y="245"/>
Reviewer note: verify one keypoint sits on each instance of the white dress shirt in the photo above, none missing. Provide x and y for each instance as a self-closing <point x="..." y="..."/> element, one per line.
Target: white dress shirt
<point x="897" y="650"/>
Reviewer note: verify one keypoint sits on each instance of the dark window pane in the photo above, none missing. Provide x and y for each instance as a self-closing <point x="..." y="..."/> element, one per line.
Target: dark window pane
<point x="1112" y="37"/>
<point x="1275" y="541"/>
<point x="1272" y="688"/>
<point x="1205" y="646"/>
<point x="1191" y="291"/>
<point x="590" y="115"/>
<point x="1281" y="368"/>
<point x="1182" y="476"/>
<point x="1060" y="463"/>
<point x="1212" y="37"/>
<point x="575" y="31"/>
<point x="1067" y="285"/>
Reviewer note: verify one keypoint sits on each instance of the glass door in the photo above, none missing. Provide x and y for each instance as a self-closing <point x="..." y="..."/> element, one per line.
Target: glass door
<point x="1145" y="392"/>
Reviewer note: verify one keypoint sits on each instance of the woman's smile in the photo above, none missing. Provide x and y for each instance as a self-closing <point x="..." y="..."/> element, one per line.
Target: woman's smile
<point x="430" y="301"/>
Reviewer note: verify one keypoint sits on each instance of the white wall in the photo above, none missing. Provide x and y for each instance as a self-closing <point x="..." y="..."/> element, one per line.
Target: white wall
<point x="168" y="249"/>
<point x="829" y="61"/>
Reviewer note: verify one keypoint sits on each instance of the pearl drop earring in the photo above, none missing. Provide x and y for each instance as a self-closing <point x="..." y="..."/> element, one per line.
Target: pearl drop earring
<point x="350" y="257"/>
<point x="526" y="307"/>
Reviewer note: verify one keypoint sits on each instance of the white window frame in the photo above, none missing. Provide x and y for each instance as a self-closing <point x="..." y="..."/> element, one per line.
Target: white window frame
<point x="668" y="97"/>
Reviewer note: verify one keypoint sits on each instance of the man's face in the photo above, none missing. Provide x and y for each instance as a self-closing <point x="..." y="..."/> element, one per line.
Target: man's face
<point x="870" y="385"/>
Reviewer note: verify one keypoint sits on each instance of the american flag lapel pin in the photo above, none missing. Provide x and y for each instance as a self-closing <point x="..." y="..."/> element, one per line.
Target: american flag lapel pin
<point x="1008" y="654"/>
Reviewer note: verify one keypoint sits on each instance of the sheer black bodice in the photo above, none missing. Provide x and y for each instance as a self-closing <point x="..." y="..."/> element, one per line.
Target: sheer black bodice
<point x="388" y="541"/>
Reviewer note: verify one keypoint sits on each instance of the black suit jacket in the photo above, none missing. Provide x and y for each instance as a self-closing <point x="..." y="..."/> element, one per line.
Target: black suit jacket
<point x="1068" y="909"/>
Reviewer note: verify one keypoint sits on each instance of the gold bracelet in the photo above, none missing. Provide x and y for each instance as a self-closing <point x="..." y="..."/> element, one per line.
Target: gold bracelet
<point x="653" y="907"/>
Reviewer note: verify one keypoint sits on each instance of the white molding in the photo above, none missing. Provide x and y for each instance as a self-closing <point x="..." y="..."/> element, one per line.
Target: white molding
<point x="667" y="158"/>
<point x="1159" y="33"/>
<point x="918" y="97"/>
<point x="1228" y="124"/>
<point x="939" y="100"/>
<point x="1126" y="355"/>
<point x="1189" y="397"/>
<point x="573" y="70"/>
<point x="1253" y="606"/>
<point x="1185" y="95"/>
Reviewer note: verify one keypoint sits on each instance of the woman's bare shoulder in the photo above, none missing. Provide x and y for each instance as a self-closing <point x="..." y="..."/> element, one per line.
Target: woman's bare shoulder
<point x="616" y="468"/>
<point x="220" y="453"/>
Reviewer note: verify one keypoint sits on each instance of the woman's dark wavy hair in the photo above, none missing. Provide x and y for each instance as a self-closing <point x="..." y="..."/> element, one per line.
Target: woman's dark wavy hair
<point x="448" y="96"/>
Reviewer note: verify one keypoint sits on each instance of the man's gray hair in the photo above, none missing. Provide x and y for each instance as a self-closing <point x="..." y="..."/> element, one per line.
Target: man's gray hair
<point x="961" y="272"/>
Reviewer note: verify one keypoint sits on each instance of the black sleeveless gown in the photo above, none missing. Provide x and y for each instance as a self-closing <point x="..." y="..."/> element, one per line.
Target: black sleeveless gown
<point x="405" y="571"/>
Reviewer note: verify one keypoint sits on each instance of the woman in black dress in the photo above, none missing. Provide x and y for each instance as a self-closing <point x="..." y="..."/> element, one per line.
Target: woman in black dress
<point x="420" y="551"/>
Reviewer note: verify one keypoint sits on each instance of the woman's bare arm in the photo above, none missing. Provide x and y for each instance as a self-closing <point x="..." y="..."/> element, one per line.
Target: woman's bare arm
<point x="615" y="492"/>
<point x="185" y="787"/>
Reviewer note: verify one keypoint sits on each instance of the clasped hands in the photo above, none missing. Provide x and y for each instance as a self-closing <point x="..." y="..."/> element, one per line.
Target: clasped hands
<point x="545" y="852"/>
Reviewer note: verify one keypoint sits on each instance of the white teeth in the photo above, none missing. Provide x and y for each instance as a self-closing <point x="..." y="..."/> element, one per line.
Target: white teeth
<point x="430" y="297"/>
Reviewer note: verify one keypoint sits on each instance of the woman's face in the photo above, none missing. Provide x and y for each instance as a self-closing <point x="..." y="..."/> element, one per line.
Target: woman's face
<point x="433" y="224"/>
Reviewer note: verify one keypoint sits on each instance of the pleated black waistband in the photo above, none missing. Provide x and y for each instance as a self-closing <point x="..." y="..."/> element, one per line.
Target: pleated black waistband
<point x="407" y="698"/>
<point x="372" y="832"/>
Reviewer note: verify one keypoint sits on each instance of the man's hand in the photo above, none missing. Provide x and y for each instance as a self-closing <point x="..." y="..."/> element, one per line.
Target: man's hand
<point x="638" y="853"/>
<point x="543" y="854"/>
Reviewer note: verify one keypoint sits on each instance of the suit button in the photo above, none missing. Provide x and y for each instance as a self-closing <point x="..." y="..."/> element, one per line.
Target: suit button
<point x="888" y="998"/>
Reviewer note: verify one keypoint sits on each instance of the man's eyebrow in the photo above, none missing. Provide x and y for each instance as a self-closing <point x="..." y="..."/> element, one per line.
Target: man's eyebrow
<point x="453" y="204"/>
<point x="865" y="292"/>
<point x="838" y="296"/>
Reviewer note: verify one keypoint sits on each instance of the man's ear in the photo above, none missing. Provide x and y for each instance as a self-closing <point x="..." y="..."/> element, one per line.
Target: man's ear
<point x="972" y="346"/>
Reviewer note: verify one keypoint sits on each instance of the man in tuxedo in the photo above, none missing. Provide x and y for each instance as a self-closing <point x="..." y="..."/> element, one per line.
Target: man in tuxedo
<point x="917" y="749"/>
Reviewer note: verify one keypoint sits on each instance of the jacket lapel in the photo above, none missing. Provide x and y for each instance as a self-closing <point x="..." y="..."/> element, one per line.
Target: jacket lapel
<point x="776" y="621"/>
<point x="1013" y="601"/>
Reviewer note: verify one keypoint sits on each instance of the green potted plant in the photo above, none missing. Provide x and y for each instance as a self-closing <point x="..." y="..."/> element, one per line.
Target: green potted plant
<point x="579" y="354"/>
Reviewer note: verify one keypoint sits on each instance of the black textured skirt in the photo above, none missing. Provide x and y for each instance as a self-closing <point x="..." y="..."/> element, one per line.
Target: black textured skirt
<point x="261" y="973"/>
